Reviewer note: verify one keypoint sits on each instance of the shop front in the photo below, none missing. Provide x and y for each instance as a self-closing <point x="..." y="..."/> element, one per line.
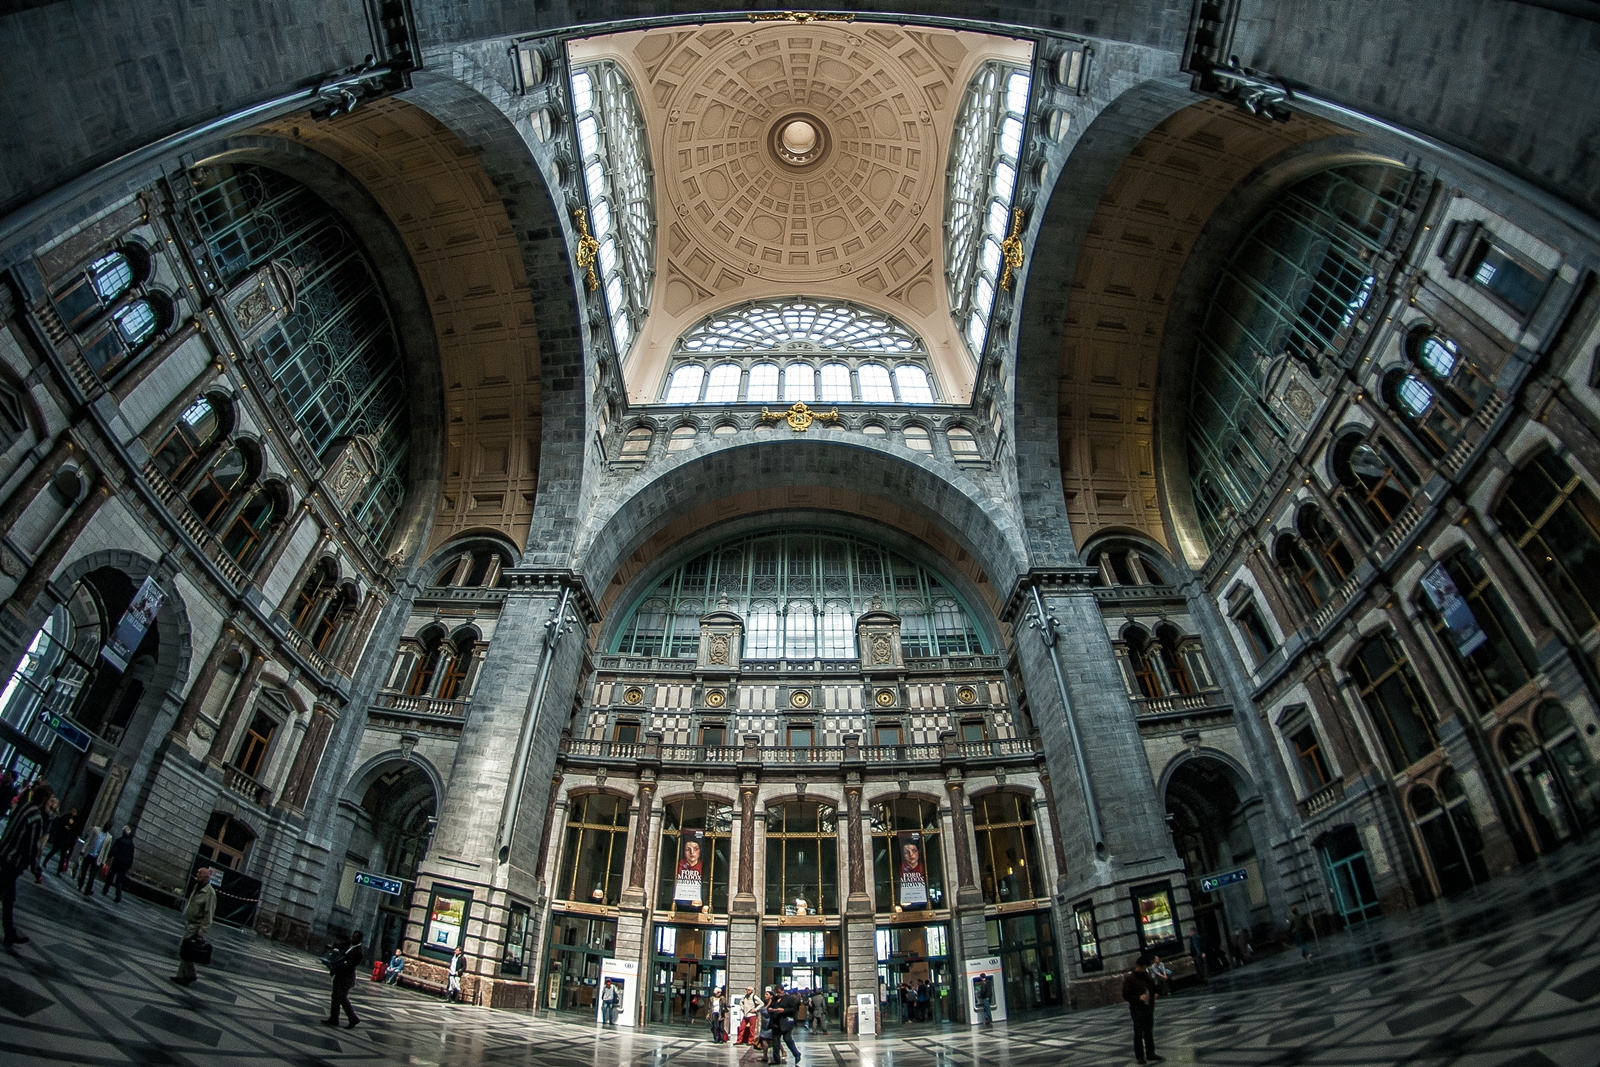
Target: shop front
<point x="915" y="974"/>
<point x="805" y="960"/>
<point x="578" y="944"/>
<point x="689" y="964"/>
<point x="1026" y="946"/>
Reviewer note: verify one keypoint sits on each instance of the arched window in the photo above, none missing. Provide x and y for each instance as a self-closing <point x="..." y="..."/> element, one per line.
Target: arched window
<point x="421" y="682"/>
<point x="962" y="444"/>
<point x="723" y="386"/>
<point x="875" y="385"/>
<point x="1394" y="700"/>
<point x="912" y="382"/>
<point x="595" y="849"/>
<point x="1434" y="419"/>
<point x="1377" y="477"/>
<point x="696" y="839"/>
<point x="684" y="388"/>
<point x="1323" y="542"/>
<point x="1304" y="577"/>
<point x="319" y="585"/>
<point x="907" y="855"/>
<point x="763" y="383"/>
<point x="197" y="430"/>
<point x="1145" y="680"/>
<point x="916" y="438"/>
<point x="262" y="513"/>
<point x="1454" y="372"/>
<point x="636" y="445"/>
<point x="802" y="859"/>
<point x="1009" y="866"/>
<point x="226" y="842"/>
<point x="1170" y="642"/>
<point x="1554" y="518"/>
<point x="213" y="496"/>
<point x="1504" y="661"/>
<point x="99" y="285"/>
<point x="1556" y="779"/>
<point x="1450" y="834"/>
<point x="453" y="685"/>
<point x="800" y="630"/>
<point x="835" y="379"/>
<point x="799" y="383"/>
<point x="339" y="611"/>
<point x="682" y="438"/>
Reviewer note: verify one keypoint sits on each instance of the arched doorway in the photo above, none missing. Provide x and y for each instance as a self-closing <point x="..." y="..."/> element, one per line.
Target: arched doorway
<point x="1211" y="832"/>
<point x="393" y="823"/>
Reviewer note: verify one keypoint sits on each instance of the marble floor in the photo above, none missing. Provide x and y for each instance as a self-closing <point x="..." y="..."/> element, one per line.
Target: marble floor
<point x="1506" y="976"/>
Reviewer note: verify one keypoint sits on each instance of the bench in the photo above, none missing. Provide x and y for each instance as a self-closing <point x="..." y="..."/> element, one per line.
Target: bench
<point x="420" y="984"/>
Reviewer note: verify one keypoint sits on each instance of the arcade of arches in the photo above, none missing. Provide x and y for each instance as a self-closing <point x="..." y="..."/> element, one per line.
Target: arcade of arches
<point x="855" y="500"/>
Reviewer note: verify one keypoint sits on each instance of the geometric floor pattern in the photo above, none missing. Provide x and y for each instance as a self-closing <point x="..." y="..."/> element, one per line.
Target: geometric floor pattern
<point x="1505" y="976"/>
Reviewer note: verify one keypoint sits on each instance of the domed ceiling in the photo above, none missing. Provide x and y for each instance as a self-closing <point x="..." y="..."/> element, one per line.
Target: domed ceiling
<point x="799" y="160"/>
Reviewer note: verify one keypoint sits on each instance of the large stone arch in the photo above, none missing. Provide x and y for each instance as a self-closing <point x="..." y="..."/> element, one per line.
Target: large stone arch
<point x="900" y="490"/>
<point x="362" y="777"/>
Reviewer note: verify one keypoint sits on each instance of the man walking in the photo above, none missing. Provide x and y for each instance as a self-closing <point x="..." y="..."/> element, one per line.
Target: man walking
<point x="19" y="851"/>
<point x="120" y="862"/>
<point x="344" y="968"/>
<point x="1140" y="993"/>
<point x="63" y="836"/>
<point x="784" y="1013"/>
<point x="198" y="914"/>
<point x="97" y="841"/>
<point x="1300" y="930"/>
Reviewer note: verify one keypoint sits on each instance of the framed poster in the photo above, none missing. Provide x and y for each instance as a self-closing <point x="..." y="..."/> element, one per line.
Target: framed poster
<point x="1089" y="960"/>
<point x="1157" y="915"/>
<point x="688" y="884"/>
<point x="913" y="873"/>
<point x="133" y="625"/>
<point x="448" y="908"/>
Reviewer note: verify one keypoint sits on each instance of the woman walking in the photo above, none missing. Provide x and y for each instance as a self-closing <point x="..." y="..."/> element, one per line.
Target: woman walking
<point x="718" y="1034"/>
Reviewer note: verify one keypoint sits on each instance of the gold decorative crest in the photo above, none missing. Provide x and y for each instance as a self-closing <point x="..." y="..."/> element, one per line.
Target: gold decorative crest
<point x="588" y="247"/>
<point x="1011" y="250"/>
<point x="800" y="417"/>
<point x="802" y="16"/>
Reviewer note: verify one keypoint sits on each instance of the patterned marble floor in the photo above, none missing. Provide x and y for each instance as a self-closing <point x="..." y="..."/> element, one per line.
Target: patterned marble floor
<point x="1508" y="976"/>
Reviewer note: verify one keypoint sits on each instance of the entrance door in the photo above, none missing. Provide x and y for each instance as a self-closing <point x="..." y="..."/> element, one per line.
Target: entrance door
<point x="914" y="975"/>
<point x="1354" y="895"/>
<point x="572" y="970"/>
<point x="690" y="965"/>
<point x="1027" y="950"/>
<point x="806" y="961"/>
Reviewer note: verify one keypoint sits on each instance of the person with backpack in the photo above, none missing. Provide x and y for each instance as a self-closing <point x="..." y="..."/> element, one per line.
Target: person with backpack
<point x="344" y="964"/>
<point x="19" y="851"/>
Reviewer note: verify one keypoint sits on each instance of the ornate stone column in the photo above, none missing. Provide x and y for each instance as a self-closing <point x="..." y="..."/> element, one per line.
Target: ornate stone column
<point x="236" y="706"/>
<point x="744" y="930"/>
<point x="298" y="786"/>
<point x="860" y="942"/>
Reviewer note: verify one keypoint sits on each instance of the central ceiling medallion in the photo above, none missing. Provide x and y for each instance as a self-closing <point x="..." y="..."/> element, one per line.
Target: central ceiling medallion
<point x="799" y="140"/>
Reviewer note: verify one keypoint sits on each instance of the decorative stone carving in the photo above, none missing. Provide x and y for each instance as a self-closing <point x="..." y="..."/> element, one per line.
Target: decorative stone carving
<point x="253" y="309"/>
<point x="717" y="649"/>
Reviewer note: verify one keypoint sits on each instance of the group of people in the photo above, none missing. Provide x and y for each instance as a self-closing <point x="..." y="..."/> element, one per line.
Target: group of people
<point x="767" y="1022"/>
<point x="916" y="1001"/>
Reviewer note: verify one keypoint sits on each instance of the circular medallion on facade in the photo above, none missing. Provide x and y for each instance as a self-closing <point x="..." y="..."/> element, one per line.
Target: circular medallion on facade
<point x="800" y="698"/>
<point x="633" y="696"/>
<point x="966" y="694"/>
<point x="715" y="698"/>
<point x="884" y="697"/>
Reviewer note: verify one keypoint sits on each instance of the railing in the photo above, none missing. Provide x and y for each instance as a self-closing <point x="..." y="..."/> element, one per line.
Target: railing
<point x="420" y="705"/>
<point x="198" y="531"/>
<point x="1323" y="799"/>
<point x="727" y="755"/>
<point x="1206" y="698"/>
<point x="245" y="786"/>
<point x="628" y="750"/>
<point x="302" y="644"/>
<point x="663" y="665"/>
<point x="475" y="593"/>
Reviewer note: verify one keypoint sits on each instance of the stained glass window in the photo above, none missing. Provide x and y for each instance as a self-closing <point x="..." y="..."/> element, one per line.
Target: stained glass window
<point x="985" y="155"/>
<point x="617" y="177"/>
<point x="799" y="593"/>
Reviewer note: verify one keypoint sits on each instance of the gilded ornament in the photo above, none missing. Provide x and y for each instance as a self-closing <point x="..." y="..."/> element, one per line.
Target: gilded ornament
<point x="966" y="694"/>
<point x="800" y="417"/>
<point x="802" y="16"/>
<point x="716" y="698"/>
<point x="633" y="696"/>
<point x="884" y="697"/>
<point x="588" y="248"/>
<point x="800" y="698"/>
<point x="1011" y="250"/>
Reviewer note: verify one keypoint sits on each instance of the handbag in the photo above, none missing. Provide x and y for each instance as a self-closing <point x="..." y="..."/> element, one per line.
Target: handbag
<point x="195" y="949"/>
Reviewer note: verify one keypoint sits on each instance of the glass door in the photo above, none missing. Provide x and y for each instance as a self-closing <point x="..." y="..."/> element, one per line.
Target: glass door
<point x="806" y="961"/>
<point x="690" y="965"/>
<point x="1027" y="950"/>
<point x="572" y="970"/>
<point x="914" y="975"/>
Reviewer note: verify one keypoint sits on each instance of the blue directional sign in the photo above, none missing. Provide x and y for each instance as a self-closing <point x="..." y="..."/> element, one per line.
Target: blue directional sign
<point x="1212" y="882"/>
<point x="72" y="734"/>
<point x="382" y="883"/>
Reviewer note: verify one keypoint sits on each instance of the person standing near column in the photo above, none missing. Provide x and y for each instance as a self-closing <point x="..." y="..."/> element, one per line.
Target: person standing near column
<point x="19" y="851"/>
<point x="98" y="840"/>
<point x="198" y="915"/>
<point x="458" y="964"/>
<point x="1140" y="993"/>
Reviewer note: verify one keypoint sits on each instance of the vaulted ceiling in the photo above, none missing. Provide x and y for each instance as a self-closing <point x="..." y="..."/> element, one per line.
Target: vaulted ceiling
<point x="860" y="219"/>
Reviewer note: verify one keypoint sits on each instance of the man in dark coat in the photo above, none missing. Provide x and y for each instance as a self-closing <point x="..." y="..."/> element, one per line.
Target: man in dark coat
<point x="119" y="862"/>
<point x="19" y="851"/>
<point x="1140" y="993"/>
<point x="344" y="968"/>
<point x="63" y="838"/>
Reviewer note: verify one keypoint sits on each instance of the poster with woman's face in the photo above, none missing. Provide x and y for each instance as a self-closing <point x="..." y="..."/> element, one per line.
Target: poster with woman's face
<point x="687" y="886"/>
<point x="913" y="872"/>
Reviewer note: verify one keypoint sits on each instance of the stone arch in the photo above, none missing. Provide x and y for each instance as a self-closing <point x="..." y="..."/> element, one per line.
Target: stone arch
<point x="907" y="492"/>
<point x="674" y="798"/>
<point x="362" y="777"/>
<point x="914" y="794"/>
<point x="1243" y="781"/>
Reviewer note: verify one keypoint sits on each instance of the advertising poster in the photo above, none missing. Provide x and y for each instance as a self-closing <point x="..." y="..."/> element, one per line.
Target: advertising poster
<point x="624" y="976"/>
<point x="913" y="871"/>
<point x="1156" y="921"/>
<point x="446" y="916"/>
<point x="1453" y="609"/>
<point x="135" y="623"/>
<point x="686" y="888"/>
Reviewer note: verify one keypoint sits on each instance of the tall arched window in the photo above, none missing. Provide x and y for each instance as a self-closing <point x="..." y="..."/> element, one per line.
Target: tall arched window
<point x="1324" y="544"/>
<point x="595" y="849"/>
<point x="1376" y="476"/>
<point x="1170" y="643"/>
<point x="835" y="379"/>
<point x="1504" y="662"/>
<point x="219" y="487"/>
<point x="1434" y="418"/>
<point x="98" y="285"/>
<point x="1144" y="672"/>
<point x="202" y="424"/>
<point x="1450" y="833"/>
<point x="319" y="585"/>
<point x="799" y="383"/>
<point x="254" y="523"/>
<point x="912" y="382"/>
<point x="875" y="385"/>
<point x="723" y="386"/>
<point x="684" y="388"/>
<point x="1009" y="866"/>
<point x="1394" y="700"/>
<point x="453" y="685"/>
<point x="1304" y="577"/>
<point x="420" y="683"/>
<point x="699" y="834"/>
<point x="906" y="844"/>
<point x="763" y="383"/>
<point x="802" y="859"/>
<point x="1554" y="519"/>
